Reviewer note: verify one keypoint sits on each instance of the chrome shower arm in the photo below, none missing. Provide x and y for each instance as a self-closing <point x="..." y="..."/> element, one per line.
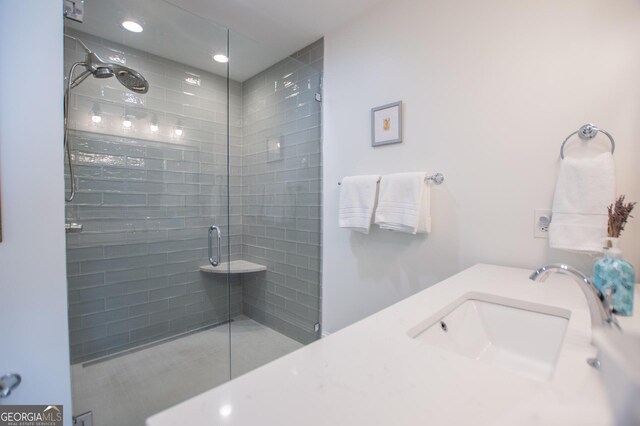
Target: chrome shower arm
<point x="84" y="46"/>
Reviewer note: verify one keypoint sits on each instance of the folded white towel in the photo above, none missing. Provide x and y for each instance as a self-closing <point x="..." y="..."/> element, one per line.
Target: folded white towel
<point x="584" y="189"/>
<point x="357" y="201"/>
<point x="404" y="203"/>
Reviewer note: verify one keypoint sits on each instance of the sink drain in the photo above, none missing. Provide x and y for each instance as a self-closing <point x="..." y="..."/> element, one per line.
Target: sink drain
<point x="443" y="326"/>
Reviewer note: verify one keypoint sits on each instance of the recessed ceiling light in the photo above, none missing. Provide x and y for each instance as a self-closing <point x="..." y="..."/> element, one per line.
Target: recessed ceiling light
<point x="154" y="127"/>
<point x="96" y="118"/>
<point x="178" y="131"/>
<point x="126" y="123"/>
<point x="132" y="26"/>
<point x="219" y="57"/>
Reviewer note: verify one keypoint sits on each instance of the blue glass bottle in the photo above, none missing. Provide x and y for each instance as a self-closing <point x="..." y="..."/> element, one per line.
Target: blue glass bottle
<point x="613" y="272"/>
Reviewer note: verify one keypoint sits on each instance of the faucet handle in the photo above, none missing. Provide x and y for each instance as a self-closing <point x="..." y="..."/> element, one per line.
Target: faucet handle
<point x="607" y="299"/>
<point x="614" y="321"/>
<point x="607" y="302"/>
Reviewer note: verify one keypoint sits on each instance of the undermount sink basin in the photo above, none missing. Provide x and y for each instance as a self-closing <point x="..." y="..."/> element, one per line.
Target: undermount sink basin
<point x="522" y="337"/>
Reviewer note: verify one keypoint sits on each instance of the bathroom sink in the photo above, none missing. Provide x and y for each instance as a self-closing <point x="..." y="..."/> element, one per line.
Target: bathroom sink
<point x="518" y="336"/>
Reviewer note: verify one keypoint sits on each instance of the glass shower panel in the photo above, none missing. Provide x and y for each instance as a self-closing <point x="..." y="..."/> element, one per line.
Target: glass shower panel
<point x="148" y="315"/>
<point x="280" y="199"/>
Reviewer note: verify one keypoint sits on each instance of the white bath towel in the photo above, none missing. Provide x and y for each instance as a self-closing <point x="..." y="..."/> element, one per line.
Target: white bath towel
<point x="357" y="202"/>
<point x="404" y="203"/>
<point x="584" y="189"/>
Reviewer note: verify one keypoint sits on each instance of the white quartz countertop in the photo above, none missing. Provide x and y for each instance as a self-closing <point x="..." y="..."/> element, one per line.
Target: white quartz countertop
<point x="373" y="373"/>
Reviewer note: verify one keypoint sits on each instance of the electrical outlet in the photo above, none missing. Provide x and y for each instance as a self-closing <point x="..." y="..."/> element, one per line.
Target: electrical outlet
<point x="541" y="221"/>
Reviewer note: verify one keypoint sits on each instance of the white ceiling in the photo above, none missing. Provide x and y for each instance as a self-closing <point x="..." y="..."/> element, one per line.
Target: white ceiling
<point x="190" y="31"/>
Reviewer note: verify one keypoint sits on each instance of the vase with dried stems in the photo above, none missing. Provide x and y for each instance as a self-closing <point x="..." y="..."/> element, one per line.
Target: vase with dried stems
<point x="613" y="275"/>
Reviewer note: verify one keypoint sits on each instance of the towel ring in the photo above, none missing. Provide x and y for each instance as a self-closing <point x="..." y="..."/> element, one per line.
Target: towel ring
<point x="588" y="132"/>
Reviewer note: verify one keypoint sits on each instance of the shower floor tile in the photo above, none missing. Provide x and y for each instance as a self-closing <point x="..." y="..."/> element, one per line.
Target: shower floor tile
<point x="125" y="390"/>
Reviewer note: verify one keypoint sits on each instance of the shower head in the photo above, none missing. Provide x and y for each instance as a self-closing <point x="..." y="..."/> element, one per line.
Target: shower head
<point x="129" y="78"/>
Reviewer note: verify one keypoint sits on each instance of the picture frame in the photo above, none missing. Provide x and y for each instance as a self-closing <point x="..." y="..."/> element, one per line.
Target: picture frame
<point x="386" y="124"/>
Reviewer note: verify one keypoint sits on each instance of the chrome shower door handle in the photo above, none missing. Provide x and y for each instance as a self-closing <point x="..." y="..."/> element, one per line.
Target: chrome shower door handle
<point x="9" y="382"/>
<point x="216" y="261"/>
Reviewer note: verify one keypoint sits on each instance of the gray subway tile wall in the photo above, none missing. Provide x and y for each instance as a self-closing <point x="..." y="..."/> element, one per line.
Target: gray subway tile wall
<point x="146" y="199"/>
<point x="281" y="194"/>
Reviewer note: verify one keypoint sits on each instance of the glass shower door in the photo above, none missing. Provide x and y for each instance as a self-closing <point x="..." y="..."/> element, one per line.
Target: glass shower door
<point x="278" y="202"/>
<point x="148" y="313"/>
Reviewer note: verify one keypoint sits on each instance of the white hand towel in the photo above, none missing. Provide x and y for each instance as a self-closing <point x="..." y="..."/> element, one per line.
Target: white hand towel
<point x="357" y="201"/>
<point x="404" y="203"/>
<point x="584" y="189"/>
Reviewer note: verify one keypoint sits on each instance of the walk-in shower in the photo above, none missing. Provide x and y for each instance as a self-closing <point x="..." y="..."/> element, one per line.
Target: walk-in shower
<point x="157" y="161"/>
<point x="93" y="65"/>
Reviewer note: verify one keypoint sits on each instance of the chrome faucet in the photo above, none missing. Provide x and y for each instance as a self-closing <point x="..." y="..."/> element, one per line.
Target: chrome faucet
<point x="599" y="303"/>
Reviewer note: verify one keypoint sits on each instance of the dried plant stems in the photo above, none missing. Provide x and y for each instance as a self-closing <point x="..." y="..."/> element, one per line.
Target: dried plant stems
<point x="619" y="213"/>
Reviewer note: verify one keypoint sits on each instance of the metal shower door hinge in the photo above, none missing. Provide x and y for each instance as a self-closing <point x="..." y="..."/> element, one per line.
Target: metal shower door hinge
<point x="318" y="97"/>
<point x="74" y="10"/>
<point x="72" y="228"/>
<point x="85" y="419"/>
<point x="316" y="327"/>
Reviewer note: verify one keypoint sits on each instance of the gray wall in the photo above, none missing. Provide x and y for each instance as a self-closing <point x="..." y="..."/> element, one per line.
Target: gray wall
<point x="281" y="194"/>
<point x="146" y="200"/>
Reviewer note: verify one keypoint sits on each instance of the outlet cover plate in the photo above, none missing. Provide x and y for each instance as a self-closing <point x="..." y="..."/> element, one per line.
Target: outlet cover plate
<point x="541" y="221"/>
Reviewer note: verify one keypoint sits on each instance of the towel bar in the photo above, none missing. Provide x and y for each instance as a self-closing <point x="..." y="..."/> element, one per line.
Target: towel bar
<point x="437" y="178"/>
<point x="587" y="132"/>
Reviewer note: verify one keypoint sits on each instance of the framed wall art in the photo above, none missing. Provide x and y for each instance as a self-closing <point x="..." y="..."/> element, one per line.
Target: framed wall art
<point x="386" y="124"/>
